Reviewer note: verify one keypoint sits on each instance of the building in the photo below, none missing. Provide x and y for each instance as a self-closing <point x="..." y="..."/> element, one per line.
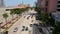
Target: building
<point x="49" y="5"/>
<point x="18" y="6"/>
<point x="58" y="5"/>
<point x="1" y="3"/>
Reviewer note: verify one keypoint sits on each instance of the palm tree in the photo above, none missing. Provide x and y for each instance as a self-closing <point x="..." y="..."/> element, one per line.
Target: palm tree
<point x="56" y="28"/>
<point x="5" y="15"/>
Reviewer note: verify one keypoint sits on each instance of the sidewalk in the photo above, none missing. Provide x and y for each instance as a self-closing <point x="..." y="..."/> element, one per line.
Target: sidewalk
<point x="9" y="21"/>
<point x="9" y="25"/>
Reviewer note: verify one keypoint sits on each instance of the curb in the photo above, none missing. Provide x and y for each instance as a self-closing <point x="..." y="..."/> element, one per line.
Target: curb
<point x="11" y="25"/>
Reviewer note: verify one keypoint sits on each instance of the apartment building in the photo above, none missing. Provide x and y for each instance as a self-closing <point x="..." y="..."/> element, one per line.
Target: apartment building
<point x="48" y="5"/>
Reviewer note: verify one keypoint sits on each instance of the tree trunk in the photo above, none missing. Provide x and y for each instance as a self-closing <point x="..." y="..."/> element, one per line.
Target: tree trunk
<point x="6" y="22"/>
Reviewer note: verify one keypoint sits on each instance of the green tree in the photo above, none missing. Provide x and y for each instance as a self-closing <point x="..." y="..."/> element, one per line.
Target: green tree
<point x="5" y="15"/>
<point x="56" y="29"/>
<point x="44" y="18"/>
<point x="39" y="13"/>
<point x="18" y="11"/>
<point x="12" y="13"/>
<point x="50" y="21"/>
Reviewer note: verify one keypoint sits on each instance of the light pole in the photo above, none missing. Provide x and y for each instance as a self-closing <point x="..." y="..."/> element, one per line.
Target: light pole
<point x="0" y="27"/>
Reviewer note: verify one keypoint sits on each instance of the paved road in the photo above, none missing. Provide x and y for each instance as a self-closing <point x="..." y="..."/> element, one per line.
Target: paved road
<point x="45" y="30"/>
<point x="35" y="30"/>
<point x="22" y="22"/>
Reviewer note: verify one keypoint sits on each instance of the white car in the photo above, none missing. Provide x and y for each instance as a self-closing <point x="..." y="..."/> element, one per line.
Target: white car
<point x="15" y="30"/>
<point x="27" y="16"/>
<point x="50" y="29"/>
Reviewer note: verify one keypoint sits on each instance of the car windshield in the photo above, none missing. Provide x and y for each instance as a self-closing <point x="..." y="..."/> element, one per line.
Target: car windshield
<point x="15" y="28"/>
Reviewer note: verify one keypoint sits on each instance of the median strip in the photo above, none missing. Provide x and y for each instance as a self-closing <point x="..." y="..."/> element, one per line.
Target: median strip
<point x="11" y="25"/>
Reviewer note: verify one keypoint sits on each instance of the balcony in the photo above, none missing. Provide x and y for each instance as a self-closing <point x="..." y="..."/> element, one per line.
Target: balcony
<point x="58" y="8"/>
<point x="58" y="0"/>
<point x="58" y="4"/>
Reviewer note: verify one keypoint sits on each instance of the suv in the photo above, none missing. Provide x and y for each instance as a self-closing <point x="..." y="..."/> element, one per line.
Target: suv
<point x="15" y="29"/>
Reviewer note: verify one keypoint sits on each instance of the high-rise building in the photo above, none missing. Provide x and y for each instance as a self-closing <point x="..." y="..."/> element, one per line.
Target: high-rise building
<point x="49" y="5"/>
<point x="58" y="5"/>
<point x="1" y="3"/>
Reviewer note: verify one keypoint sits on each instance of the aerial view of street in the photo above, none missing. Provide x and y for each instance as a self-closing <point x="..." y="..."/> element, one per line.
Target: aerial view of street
<point x="29" y="16"/>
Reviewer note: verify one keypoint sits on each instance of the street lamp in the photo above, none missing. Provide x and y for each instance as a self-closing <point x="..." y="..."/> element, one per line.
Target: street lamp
<point x="0" y="27"/>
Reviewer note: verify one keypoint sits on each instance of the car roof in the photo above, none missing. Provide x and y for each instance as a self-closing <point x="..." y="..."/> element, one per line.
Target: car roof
<point x="27" y="16"/>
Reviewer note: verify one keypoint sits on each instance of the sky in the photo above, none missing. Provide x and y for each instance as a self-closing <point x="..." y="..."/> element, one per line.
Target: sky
<point x="16" y="2"/>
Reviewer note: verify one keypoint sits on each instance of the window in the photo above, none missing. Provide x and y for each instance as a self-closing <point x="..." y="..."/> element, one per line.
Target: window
<point x="46" y="3"/>
<point x="42" y="9"/>
<point x="58" y="5"/>
<point x="46" y="10"/>
<point x="58" y="1"/>
<point x="58" y="9"/>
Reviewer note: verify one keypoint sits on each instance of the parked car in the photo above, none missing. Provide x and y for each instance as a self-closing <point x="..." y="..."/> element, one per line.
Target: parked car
<point x="5" y="32"/>
<point x="15" y="30"/>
